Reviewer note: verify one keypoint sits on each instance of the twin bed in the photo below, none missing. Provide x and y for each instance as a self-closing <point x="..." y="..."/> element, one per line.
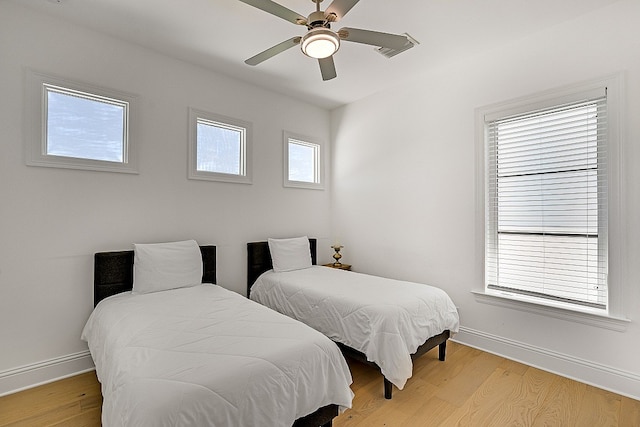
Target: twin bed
<point x="383" y="322"/>
<point x="173" y="348"/>
<point x="198" y="354"/>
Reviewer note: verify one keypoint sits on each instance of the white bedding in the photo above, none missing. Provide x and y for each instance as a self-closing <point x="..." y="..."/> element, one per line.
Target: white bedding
<point x="206" y="356"/>
<point x="385" y="319"/>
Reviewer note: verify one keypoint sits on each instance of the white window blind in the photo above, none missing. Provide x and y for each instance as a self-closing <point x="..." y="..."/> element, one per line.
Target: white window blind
<point x="547" y="204"/>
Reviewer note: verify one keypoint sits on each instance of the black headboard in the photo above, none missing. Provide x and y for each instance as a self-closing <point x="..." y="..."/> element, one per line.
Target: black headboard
<point x="259" y="260"/>
<point x="113" y="272"/>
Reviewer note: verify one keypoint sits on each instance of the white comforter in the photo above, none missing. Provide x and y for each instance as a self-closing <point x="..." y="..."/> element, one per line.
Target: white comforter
<point x="385" y="319"/>
<point x="206" y="356"/>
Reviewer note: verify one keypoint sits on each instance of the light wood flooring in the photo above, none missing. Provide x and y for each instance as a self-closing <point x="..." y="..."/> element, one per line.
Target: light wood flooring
<point x="471" y="388"/>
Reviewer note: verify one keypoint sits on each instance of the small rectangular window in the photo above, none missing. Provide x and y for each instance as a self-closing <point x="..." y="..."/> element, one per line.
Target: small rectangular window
<point x="302" y="162"/>
<point x="219" y="148"/>
<point x="85" y="126"/>
<point x="78" y="126"/>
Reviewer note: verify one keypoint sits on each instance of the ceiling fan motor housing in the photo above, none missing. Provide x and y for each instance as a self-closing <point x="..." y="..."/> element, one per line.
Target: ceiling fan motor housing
<point x="317" y="19"/>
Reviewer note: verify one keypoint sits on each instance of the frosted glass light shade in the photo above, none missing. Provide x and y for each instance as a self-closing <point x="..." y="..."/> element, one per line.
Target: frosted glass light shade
<point x="320" y="43"/>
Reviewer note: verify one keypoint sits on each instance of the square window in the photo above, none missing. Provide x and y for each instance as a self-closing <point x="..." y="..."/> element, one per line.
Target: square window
<point x="302" y="163"/>
<point x="219" y="148"/>
<point x="78" y="126"/>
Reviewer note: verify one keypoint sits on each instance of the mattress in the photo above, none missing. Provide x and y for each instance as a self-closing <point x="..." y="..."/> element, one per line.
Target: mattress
<point x="207" y="356"/>
<point x="385" y="319"/>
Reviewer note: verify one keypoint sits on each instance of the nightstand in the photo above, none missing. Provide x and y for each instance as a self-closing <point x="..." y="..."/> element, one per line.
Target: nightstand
<point x="346" y="267"/>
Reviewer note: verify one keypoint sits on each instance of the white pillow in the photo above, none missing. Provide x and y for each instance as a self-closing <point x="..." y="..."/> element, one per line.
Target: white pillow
<point x="290" y="254"/>
<point x="162" y="266"/>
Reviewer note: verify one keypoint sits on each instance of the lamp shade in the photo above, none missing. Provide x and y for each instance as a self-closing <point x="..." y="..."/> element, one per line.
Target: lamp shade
<point x="320" y="43"/>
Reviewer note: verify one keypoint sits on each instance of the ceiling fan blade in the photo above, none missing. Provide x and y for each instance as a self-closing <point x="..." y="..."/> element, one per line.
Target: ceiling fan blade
<point x="339" y="8"/>
<point x="374" y="38"/>
<point x="327" y="68"/>
<point x="273" y="51"/>
<point x="277" y="10"/>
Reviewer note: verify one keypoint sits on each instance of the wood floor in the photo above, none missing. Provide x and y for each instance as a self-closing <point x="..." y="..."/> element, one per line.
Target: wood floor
<point x="471" y="388"/>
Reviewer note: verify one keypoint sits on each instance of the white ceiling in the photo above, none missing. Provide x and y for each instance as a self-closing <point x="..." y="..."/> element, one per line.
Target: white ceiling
<point x="221" y="34"/>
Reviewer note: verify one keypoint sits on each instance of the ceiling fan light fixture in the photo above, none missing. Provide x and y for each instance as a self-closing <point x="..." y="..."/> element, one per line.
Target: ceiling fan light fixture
<point x="320" y="43"/>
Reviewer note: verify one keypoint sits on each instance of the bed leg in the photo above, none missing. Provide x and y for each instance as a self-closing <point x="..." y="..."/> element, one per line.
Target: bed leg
<point x="329" y="424"/>
<point x="442" y="351"/>
<point x="388" y="388"/>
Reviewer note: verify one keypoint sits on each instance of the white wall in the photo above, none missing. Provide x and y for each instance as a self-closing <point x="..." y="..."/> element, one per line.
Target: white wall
<point x="405" y="185"/>
<point x="53" y="220"/>
<point x="403" y="193"/>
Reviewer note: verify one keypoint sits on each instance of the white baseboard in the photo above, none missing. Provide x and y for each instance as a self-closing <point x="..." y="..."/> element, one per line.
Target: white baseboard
<point x="35" y="374"/>
<point x="595" y="374"/>
<point x="598" y="375"/>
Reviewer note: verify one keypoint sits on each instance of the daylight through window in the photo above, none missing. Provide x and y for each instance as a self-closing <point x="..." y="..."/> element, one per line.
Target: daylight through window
<point x="303" y="162"/>
<point x="85" y="126"/>
<point x="77" y="125"/>
<point x="219" y="148"/>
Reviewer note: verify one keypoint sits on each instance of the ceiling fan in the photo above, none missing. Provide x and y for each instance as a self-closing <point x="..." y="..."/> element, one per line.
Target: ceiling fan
<point x="320" y="41"/>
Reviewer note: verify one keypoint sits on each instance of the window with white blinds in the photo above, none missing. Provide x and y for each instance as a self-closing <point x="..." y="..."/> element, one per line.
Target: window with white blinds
<point x="546" y="203"/>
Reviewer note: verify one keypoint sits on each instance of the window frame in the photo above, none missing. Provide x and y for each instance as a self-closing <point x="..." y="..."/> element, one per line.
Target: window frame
<point x="318" y="146"/>
<point x="509" y="224"/>
<point x="246" y="148"/>
<point x="36" y="111"/>
<point x="613" y="317"/>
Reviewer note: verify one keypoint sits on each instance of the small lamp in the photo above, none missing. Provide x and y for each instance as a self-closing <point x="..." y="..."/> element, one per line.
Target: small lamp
<point x="336" y="247"/>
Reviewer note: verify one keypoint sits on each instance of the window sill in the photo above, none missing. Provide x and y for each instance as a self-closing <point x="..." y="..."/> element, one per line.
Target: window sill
<point x="587" y="316"/>
<point x="219" y="177"/>
<point x="51" y="161"/>
<point x="305" y="185"/>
